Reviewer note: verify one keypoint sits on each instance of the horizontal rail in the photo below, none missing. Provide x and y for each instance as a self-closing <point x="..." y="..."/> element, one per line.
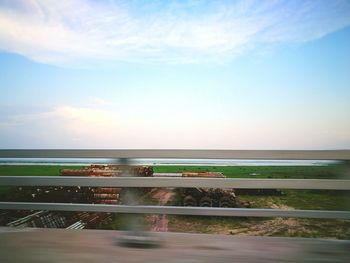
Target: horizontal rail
<point x="325" y="184"/>
<point x="175" y="210"/>
<point x="182" y="154"/>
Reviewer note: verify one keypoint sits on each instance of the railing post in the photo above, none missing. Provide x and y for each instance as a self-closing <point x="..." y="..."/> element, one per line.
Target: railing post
<point x="136" y="235"/>
<point x="346" y="176"/>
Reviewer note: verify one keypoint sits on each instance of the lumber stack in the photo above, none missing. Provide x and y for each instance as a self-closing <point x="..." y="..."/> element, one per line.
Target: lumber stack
<point x="107" y="195"/>
<point x="109" y="171"/>
<point x="203" y="174"/>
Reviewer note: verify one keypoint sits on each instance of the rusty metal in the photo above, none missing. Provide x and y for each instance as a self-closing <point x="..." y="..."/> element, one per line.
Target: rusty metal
<point x="206" y="201"/>
<point x="189" y="200"/>
<point x="210" y="197"/>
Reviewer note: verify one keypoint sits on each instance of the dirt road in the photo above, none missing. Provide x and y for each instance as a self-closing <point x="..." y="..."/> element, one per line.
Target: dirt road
<point x="159" y="223"/>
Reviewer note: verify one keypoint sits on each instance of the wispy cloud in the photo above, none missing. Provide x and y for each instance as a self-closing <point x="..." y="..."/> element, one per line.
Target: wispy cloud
<point x="97" y="101"/>
<point x="75" y="31"/>
<point x="76" y="126"/>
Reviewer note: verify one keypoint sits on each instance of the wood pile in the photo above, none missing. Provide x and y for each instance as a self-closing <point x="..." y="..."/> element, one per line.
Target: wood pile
<point x="209" y="197"/>
<point x="203" y="174"/>
<point x="42" y="219"/>
<point x="107" y="195"/>
<point x="109" y="171"/>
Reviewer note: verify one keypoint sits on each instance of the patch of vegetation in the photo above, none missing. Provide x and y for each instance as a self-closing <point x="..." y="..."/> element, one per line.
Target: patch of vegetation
<point x="29" y="170"/>
<point x="33" y="170"/>
<point x="302" y="199"/>
<point x="286" y="227"/>
<point x="291" y="172"/>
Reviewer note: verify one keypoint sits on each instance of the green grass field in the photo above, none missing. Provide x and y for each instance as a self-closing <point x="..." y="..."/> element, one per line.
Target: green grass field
<point x="299" y="199"/>
<point x="293" y="199"/>
<point x="33" y="170"/>
<point x="297" y="172"/>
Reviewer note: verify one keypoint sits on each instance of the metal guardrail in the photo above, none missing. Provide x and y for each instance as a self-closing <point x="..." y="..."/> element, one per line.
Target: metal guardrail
<point x="181" y="154"/>
<point x="325" y="184"/>
<point x="178" y="182"/>
<point x="177" y="210"/>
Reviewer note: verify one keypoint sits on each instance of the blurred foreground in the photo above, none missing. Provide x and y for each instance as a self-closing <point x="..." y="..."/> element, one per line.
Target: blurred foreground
<point x="54" y="245"/>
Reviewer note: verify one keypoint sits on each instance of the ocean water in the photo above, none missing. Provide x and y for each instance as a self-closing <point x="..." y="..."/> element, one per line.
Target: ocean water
<point x="199" y="162"/>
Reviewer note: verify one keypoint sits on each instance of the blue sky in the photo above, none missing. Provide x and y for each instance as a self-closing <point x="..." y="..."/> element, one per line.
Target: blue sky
<point x="175" y="74"/>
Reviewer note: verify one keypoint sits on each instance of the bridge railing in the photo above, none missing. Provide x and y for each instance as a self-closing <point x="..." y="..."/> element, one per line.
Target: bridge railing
<point x="321" y="184"/>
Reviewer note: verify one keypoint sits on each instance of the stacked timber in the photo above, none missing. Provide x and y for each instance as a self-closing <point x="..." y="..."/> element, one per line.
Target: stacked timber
<point x="144" y="171"/>
<point x="89" y="172"/>
<point x="109" y="171"/>
<point x="47" y="219"/>
<point x="203" y="174"/>
<point x="60" y="194"/>
<point x="42" y="219"/>
<point x="137" y="171"/>
<point x="97" y="195"/>
<point x="51" y="220"/>
<point x="107" y="195"/>
<point x="88" y="220"/>
<point x="209" y="197"/>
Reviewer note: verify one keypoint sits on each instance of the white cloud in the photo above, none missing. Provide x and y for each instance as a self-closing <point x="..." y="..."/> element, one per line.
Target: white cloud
<point x="75" y="31"/>
<point x="63" y="126"/>
<point x="99" y="101"/>
<point x="95" y="117"/>
<point x="69" y="126"/>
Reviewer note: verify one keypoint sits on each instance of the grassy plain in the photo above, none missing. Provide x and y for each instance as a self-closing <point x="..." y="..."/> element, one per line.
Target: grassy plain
<point x="296" y="172"/>
<point x="33" y="170"/>
<point x="292" y="199"/>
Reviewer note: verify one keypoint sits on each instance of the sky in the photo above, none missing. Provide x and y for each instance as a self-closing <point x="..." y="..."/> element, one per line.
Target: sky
<point x="175" y="74"/>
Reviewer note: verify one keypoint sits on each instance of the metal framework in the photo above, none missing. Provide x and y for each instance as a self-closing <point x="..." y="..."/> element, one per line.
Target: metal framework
<point x="177" y="210"/>
<point x="182" y="154"/>
<point x="325" y="184"/>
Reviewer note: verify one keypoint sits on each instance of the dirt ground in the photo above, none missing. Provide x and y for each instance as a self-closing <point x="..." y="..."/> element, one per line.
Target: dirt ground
<point x="159" y="223"/>
<point x="291" y="227"/>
